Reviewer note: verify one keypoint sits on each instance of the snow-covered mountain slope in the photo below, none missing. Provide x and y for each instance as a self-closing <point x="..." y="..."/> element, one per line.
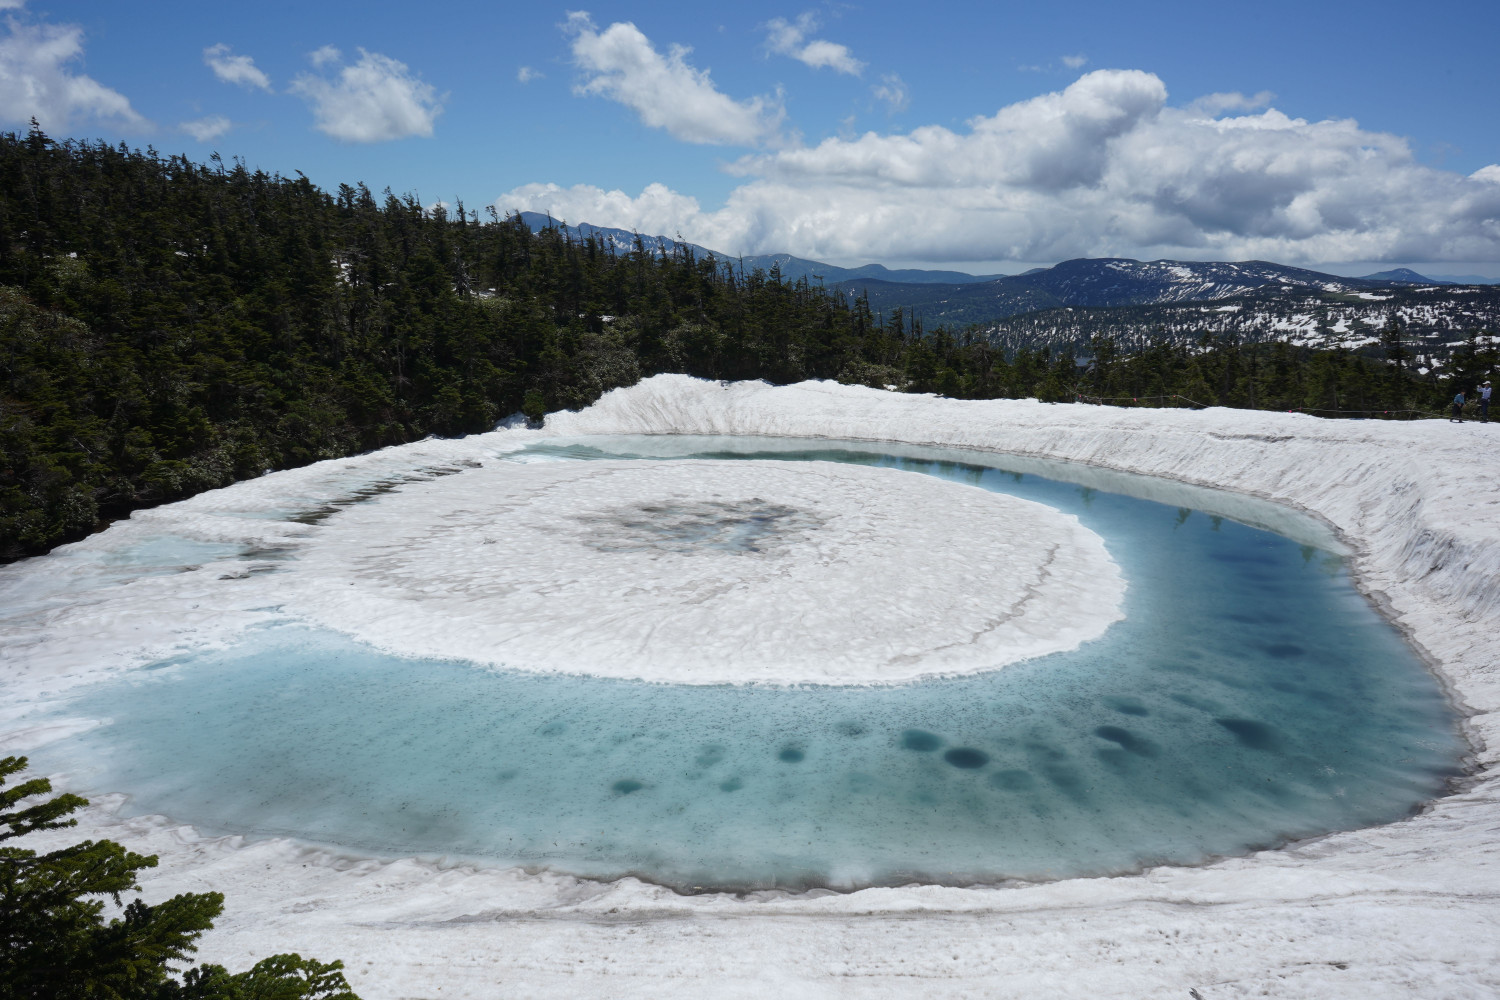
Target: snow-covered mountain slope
<point x="619" y="240"/>
<point x="1119" y="282"/>
<point x="1435" y="320"/>
<point x="1114" y="283"/>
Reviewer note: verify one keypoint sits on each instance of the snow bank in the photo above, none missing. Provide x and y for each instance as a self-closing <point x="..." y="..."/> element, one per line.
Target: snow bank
<point x="1395" y="911"/>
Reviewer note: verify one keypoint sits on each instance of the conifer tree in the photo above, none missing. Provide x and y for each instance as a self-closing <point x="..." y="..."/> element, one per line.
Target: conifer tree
<point x="1392" y="341"/>
<point x="56" y="944"/>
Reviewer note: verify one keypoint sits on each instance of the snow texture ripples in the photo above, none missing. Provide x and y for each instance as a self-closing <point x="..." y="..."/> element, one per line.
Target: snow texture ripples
<point x="708" y="572"/>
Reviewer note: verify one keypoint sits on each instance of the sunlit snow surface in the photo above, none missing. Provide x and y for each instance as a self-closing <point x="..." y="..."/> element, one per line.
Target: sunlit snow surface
<point x="1248" y="697"/>
<point x="708" y="571"/>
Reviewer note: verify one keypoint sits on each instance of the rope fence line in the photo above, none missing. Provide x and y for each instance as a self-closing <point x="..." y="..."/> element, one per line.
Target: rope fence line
<point x="1420" y="413"/>
<point x="1134" y="399"/>
<point x="1100" y="400"/>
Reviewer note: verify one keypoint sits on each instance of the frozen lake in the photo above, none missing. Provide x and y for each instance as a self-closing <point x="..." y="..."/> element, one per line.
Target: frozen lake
<point x="1248" y="696"/>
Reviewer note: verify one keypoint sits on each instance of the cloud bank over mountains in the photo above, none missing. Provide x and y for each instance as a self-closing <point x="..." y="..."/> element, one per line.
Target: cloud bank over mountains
<point x="1105" y="167"/>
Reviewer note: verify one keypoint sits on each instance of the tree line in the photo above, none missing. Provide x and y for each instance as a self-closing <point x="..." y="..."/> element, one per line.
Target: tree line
<point x="168" y="327"/>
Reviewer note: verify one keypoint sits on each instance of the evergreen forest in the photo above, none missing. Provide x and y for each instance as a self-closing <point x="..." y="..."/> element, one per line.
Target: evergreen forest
<point x="168" y="327"/>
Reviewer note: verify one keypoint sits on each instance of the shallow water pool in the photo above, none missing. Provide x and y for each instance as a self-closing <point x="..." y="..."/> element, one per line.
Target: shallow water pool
<point x="1250" y="696"/>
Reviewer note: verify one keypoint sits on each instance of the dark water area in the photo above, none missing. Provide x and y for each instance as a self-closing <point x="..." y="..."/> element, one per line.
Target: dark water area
<point x="1250" y="696"/>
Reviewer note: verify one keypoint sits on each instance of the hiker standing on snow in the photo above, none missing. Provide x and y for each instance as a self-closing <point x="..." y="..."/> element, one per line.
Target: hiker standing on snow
<point x="1458" y="408"/>
<point x="1484" y="402"/>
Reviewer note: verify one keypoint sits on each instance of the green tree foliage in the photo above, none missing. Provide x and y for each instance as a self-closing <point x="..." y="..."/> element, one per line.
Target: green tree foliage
<point x="1269" y="376"/>
<point x="55" y="943"/>
<point x="1473" y="363"/>
<point x="168" y="327"/>
<point x="1397" y="357"/>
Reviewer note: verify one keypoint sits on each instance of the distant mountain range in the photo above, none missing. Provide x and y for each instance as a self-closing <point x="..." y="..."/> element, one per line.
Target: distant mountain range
<point x="1406" y="276"/>
<point x="1465" y="279"/>
<point x="792" y="268"/>
<point x="1134" y="300"/>
<point x="1095" y="282"/>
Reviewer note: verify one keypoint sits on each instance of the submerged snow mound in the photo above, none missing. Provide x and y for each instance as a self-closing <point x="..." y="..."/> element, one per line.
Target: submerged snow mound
<point x="710" y="572"/>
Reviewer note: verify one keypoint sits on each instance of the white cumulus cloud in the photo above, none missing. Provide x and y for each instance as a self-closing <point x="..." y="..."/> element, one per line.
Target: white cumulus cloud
<point x="789" y="38"/>
<point x="1075" y="62"/>
<point x="526" y="74"/>
<point x="1215" y="104"/>
<point x="892" y="90"/>
<point x="208" y="128"/>
<point x="1056" y="140"/>
<point x="35" y="80"/>
<point x="235" y="69"/>
<point x="375" y="100"/>
<point x="1104" y="167"/>
<point x="321" y="57"/>
<point x="657" y="210"/>
<point x="667" y="92"/>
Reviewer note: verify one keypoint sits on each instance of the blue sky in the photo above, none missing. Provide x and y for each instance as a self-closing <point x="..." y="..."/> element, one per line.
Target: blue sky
<point x="986" y="136"/>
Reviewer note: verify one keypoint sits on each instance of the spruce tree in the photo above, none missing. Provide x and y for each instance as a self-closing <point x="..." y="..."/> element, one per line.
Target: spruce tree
<point x="56" y="943"/>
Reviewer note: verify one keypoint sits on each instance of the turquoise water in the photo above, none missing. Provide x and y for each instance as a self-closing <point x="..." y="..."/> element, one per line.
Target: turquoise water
<point x="1250" y="696"/>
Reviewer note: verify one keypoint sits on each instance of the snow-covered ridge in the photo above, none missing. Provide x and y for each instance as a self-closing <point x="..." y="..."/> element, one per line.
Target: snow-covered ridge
<point x="1402" y="910"/>
<point x="1433" y="324"/>
<point x="1132" y="282"/>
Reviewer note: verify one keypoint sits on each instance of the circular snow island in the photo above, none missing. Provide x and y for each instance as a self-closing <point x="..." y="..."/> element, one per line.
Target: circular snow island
<point x="709" y="572"/>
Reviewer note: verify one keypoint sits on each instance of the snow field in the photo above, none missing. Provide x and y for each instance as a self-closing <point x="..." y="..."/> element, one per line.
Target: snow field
<point x="1407" y="909"/>
<point x="709" y="572"/>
